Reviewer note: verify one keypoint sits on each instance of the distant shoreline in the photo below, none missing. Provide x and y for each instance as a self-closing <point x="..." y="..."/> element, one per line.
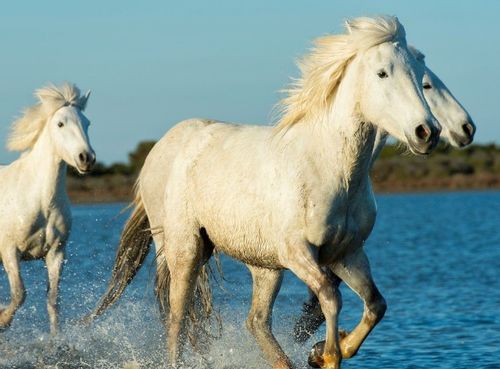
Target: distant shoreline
<point x="476" y="167"/>
<point x="96" y="194"/>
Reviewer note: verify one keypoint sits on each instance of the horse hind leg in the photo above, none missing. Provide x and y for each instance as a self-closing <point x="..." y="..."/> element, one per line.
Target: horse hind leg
<point x="266" y="285"/>
<point x="53" y="261"/>
<point x="162" y="279"/>
<point x="355" y="271"/>
<point x="11" y="260"/>
<point x="183" y="257"/>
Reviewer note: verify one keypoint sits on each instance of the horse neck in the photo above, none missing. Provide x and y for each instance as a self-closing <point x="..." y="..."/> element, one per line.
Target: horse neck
<point x="49" y="169"/>
<point x="380" y="141"/>
<point x="340" y="142"/>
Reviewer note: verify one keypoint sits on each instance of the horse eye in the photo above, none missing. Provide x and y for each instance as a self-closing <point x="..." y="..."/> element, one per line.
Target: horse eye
<point x="60" y="124"/>
<point x="382" y="74"/>
<point x="427" y="86"/>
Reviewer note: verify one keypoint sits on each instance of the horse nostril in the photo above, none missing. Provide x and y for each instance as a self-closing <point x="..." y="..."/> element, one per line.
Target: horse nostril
<point x="468" y="129"/>
<point x="423" y="132"/>
<point x="84" y="158"/>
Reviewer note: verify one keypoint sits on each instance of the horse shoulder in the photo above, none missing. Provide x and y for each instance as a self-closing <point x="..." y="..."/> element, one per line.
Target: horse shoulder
<point x="58" y="225"/>
<point x="365" y="211"/>
<point x="325" y="207"/>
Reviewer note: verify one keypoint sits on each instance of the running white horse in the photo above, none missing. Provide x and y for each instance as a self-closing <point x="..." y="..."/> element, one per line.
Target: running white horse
<point x="35" y="215"/>
<point x="458" y="129"/>
<point x="286" y="197"/>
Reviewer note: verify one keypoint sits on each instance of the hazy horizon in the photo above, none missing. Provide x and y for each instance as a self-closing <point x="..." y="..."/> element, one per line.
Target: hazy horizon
<point x="150" y="65"/>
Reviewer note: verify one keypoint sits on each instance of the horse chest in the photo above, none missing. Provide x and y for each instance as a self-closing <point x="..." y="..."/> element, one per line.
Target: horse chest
<point x="49" y="229"/>
<point x="343" y="227"/>
<point x="325" y="220"/>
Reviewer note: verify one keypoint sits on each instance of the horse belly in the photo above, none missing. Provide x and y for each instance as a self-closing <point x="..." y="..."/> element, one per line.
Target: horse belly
<point x="247" y="247"/>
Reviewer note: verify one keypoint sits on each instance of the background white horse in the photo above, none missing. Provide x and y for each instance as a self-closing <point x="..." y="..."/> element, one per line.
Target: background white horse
<point x="287" y="197"/>
<point x="457" y="128"/>
<point x="35" y="214"/>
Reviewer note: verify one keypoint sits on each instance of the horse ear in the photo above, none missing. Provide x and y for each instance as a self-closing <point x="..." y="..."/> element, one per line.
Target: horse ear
<point x="420" y="56"/>
<point x="84" y="99"/>
<point x="348" y="26"/>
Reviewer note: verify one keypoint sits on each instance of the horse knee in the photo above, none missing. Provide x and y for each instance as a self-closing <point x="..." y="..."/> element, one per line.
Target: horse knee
<point x="18" y="297"/>
<point x="376" y="308"/>
<point x="330" y="299"/>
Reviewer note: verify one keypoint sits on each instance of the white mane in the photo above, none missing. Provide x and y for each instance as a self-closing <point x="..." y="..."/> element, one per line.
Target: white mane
<point x="25" y="130"/>
<point x="323" y="68"/>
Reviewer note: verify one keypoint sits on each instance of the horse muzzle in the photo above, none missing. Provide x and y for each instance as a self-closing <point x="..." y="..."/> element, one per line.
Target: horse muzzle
<point x="424" y="139"/>
<point x="85" y="161"/>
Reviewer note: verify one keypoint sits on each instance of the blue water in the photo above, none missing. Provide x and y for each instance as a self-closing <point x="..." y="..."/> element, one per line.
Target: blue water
<point x="435" y="257"/>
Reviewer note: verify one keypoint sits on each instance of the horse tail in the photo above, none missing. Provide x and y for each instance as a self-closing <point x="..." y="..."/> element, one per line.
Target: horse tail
<point x="135" y="242"/>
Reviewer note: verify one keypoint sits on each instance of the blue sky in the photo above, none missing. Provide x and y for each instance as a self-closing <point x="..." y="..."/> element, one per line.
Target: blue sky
<point x="151" y="64"/>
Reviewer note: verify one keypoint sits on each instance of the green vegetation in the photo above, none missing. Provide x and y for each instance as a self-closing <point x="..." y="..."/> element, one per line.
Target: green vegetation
<point x="135" y="161"/>
<point x="109" y="183"/>
<point x="475" y="167"/>
<point x="447" y="168"/>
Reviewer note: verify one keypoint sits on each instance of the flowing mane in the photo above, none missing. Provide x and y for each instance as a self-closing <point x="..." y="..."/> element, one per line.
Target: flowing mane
<point x="322" y="69"/>
<point x="25" y="130"/>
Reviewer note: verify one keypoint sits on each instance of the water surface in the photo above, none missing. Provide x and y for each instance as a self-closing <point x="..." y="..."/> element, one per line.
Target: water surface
<point x="435" y="257"/>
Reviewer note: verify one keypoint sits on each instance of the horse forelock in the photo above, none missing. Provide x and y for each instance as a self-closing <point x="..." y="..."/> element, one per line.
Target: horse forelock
<point x="323" y="68"/>
<point x="54" y="97"/>
<point x="26" y="129"/>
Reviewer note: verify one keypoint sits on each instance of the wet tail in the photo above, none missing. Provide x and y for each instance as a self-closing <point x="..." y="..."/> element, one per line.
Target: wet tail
<point x="134" y="246"/>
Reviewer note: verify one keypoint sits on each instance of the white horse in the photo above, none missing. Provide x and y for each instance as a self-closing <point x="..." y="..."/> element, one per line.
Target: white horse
<point x="291" y="196"/>
<point x="457" y="128"/>
<point x="35" y="215"/>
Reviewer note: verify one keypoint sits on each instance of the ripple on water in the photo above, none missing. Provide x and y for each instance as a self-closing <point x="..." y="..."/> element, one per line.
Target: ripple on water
<point x="438" y="270"/>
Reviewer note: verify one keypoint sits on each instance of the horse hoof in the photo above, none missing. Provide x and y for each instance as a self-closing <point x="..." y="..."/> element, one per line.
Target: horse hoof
<point x="4" y="327"/>
<point x="315" y="358"/>
<point x="318" y="359"/>
<point x="4" y="321"/>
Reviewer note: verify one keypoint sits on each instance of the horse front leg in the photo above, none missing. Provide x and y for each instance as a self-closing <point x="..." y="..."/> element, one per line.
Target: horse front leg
<point x="312" y="317"/>
<point x="266" y="285"/>
<point x="355" y="271"/>
<point x="11" y="259"/>
<point x="303" y="262"/>
<point x="53" y="261"/>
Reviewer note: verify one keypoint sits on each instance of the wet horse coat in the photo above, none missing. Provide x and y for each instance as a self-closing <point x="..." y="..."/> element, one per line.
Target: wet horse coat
<point x="458" y="129"/>
<point x="35" y="216"/>
<point x="296" y="196"/>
